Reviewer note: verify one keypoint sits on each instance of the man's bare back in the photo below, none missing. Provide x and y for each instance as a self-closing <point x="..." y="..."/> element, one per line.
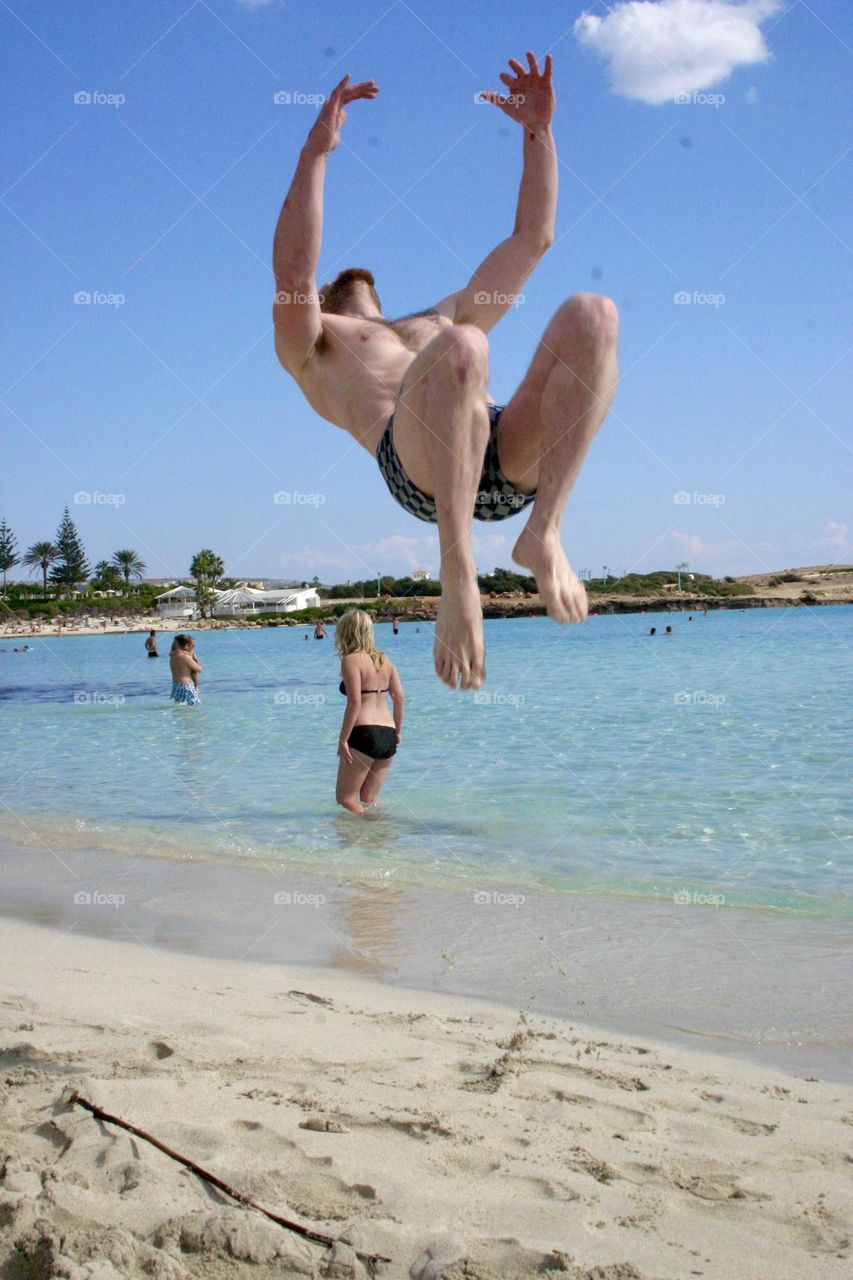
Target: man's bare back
<point x="415" y="392"/>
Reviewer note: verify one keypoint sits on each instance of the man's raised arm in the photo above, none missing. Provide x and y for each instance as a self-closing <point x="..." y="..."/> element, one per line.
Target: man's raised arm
<point x="499" y="279"/>
<point x="299" y="232"/>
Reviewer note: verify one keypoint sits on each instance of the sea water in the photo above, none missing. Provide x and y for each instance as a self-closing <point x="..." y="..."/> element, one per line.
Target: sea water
<point x="708" y="767"/>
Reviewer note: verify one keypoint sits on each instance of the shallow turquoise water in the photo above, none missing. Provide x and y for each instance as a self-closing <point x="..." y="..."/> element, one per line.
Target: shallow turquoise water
<point x="715" y="763"/>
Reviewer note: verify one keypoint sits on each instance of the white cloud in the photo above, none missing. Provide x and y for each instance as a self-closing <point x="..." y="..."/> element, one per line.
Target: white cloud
<point x="491" y="549"/>
<point x="729" y="555"/>
<point x="399" y="549"/>
<point x="659" y="49"/>
<point x="310" y="560"/>
<point x="836" y="535"/>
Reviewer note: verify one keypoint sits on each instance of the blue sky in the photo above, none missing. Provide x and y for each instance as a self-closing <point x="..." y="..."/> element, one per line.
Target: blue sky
<point x="163" y="401"/>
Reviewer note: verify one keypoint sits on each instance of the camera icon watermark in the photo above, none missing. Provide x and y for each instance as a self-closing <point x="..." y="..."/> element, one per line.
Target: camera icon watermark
<point x="510" y="99"/>
<point x="298" y="898"/>
<point x="495" y="698"/>
<point x="94" y="498"/>
<point x="698" y="299"/>
<point x="699" y="99"/>
<point x="97" y="298"/>
<point x="293" y="698"/>
<point x="96" y="98"/>
<point x="496" y="898"/>
<point x="83" y="898"/>
<point x="685" y="499"/>
<point x="297" y="498"/>
<point x="497" y="298"/>
<point x="285" y="298"/>
<point x="296" y="98"/>
<point x="497" y="498"/>
<point x="699" y="698"/>
<point x="95" y="698"/>
<point x="696" y="898"/>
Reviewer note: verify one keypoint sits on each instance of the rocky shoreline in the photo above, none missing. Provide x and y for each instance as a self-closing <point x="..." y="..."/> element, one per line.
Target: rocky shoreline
<point x="425" y="609"/>
<point x="529" y="606"/>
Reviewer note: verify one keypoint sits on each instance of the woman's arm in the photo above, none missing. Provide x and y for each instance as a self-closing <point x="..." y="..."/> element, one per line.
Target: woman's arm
<point x="395" y="688"/>
<point x="352" y="684"/>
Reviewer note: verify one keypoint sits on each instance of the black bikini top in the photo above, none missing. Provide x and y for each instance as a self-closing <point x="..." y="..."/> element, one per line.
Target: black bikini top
<point x="343" y="689"/>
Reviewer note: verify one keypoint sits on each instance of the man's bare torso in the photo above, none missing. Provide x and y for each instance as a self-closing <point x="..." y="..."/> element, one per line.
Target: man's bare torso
<point x="354" y="375"/>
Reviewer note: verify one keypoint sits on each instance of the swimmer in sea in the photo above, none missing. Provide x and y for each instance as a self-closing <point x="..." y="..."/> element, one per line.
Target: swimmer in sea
<point x="370" y="733"/>
<point x="185" y="667"/>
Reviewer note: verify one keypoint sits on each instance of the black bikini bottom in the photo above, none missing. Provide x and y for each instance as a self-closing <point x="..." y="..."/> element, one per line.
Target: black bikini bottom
<point x="379" y="741"/>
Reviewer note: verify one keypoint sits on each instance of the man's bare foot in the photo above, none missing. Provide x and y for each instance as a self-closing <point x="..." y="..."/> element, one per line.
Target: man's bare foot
<point x="560" y="589"/>
<point x="459" y="651"/>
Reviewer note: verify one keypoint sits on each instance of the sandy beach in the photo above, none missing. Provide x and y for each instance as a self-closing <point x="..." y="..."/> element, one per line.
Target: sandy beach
<point x="456" y="1137"/>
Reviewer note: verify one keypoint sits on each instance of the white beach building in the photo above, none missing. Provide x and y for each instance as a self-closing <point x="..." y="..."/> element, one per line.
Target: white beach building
<point x="243" y="601"/>
<point x="239" y="602"/>
<point x="180" y="602"/>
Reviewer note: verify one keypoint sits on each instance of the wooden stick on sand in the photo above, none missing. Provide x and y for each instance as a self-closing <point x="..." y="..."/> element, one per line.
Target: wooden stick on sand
<point x="369" y="1258"/>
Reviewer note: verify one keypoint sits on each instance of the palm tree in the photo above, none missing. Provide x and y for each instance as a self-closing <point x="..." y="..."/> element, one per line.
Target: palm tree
<point x="41" y="555"/>
<point x="129" y="565"/>
<point x="206" y="569"/>
<point x="105" y="576"/>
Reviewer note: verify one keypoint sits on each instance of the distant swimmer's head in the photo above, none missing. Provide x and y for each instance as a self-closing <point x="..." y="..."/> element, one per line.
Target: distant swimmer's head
<point x="354" y="634"/>
<point x="351" y="293"/>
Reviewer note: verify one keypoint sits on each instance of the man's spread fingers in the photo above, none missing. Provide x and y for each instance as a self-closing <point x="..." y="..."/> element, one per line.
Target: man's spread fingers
<point x="549" y="66"/>
<point x="508" y="80"/>
<point x="534" y="65"/>
<point x="367" y="89"/>
<point x="517" y="67"/>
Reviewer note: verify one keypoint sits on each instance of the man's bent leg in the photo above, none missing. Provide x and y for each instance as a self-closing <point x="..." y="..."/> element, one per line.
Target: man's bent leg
<point x="545" y="433"/>
<point x="441" y="426"/>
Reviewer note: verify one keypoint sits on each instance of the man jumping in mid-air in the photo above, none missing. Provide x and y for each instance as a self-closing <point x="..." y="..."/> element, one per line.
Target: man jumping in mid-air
<point x="414" y="391"/>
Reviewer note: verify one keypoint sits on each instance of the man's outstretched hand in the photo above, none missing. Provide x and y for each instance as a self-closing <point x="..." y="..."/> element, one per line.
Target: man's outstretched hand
<point x="326" y="132"/>
<point x="531" y="99"/>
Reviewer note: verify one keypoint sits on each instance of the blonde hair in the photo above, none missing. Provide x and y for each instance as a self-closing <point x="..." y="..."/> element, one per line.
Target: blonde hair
<point x="354" y="634"/>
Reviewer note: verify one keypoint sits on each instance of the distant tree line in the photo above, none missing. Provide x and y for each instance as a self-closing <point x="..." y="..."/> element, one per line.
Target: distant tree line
<point x="63" y="563"/>
<point x="501" y="580"/>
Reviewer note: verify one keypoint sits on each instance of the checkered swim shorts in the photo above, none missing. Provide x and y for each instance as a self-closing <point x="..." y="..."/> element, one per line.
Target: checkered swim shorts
<point x="185" y="694"/>
<point x="496" y="498"/>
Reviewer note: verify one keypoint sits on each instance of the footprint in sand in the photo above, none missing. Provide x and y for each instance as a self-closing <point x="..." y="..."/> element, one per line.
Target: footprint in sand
<point x="159" y="1049"/>
<point x="625" y="1118"/>
<point x="754" y="1128"/>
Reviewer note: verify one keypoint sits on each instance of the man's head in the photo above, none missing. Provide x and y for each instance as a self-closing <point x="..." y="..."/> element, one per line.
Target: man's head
<point x="352" y="292"/>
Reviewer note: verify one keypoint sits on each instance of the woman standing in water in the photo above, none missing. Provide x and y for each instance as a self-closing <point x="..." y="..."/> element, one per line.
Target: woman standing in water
<point x="370" y="734"/>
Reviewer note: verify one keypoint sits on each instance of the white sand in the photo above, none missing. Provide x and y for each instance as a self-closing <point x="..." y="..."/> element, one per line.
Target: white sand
<point x="449" y="1134"/>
